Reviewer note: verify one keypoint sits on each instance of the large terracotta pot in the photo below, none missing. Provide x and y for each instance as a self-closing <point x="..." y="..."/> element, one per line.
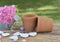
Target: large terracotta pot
<point x="29" y="21"/>
<point x="44" y="24"/>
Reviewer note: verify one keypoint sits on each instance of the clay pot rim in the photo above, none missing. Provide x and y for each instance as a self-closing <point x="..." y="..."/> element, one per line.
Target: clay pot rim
<point x="29" y="16"/>
<point x="44" y="17"/>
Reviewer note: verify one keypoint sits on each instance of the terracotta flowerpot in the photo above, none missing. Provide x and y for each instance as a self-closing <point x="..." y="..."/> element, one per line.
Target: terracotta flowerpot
<point x="44" y="24"/>
<point x="29" y="21"/>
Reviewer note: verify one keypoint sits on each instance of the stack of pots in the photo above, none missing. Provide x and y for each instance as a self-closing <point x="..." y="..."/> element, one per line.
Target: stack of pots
<point x="36" y="23"/>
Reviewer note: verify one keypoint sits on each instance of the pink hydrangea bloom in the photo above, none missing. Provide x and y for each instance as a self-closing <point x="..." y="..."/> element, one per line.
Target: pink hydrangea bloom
<point x="7" y="14"/>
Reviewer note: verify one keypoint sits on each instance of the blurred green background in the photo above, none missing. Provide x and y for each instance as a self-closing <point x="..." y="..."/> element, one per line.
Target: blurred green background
<point x="49" y="8"/>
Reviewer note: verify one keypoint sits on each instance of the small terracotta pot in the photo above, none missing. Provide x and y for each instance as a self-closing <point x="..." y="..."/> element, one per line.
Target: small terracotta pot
<point x="29" y="21"/>
<point x="44" y="24"/>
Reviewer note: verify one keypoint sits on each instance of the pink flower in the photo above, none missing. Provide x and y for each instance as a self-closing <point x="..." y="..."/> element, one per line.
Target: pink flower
<point x="7" y="13"/>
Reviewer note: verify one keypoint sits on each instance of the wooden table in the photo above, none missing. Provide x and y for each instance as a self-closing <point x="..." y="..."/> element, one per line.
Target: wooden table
<point x="53" y="36"/>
